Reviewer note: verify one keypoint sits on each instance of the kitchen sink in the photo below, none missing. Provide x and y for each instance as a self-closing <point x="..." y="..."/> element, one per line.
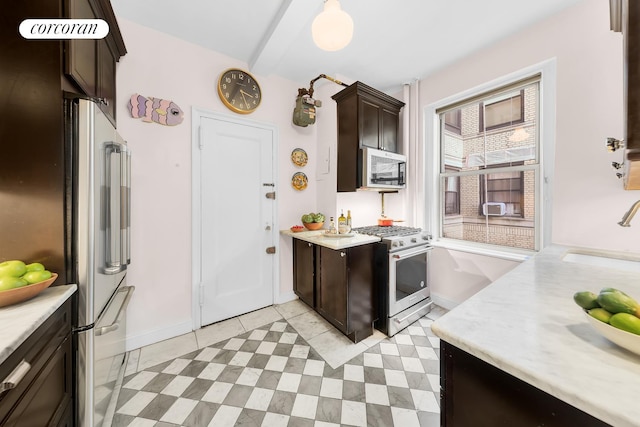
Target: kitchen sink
<point x="614" y="260"/>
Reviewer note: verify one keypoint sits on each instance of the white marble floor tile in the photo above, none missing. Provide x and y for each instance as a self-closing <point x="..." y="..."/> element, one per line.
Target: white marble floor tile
<point x="276" y="363"/>
<point x="234" y="344"/>
<point x="305" y="406"/>
<point x="140" y="380"/>
<point x="166" y="350"/>
<point x="299" y="351"/>
<point x="292" y="308"/>
<point x="373" y="360"/>
<point x="257" y="334"/>
<point x="142" y="422"/>
<point x="137" y="403"/>
<point x="335" y="348"/>
<point x="411" y="364"/>
<point x="374" y="338"/>
<point x="217" y="332"/>
<point x="309" y="324"/>
<point x="212" y="371"/>
<point x="314" y="368"/>
<point x="278" y="326"/>
<point x="416" y="330"/>
<point x="179" y="411"/>
<point x="266" y="347"/>
<point x="241" y="358"/>
<point x="331" y="387"/>
<point x="207" y="354"/>
<point x="355" y="414"/>
<point x="226" y="416"/>
<point x="403" y="339"/>
<point x="288" y="338"/>
<point x="425" y="401"/>
<point x="404" y="417"/>
<point x="389" y="349"/>
<point x="177" y="386"/>
<point x="324" y="424"/>
<point x="275" y="420"/>
<point x="289" y="382"/>
<point x="259" y="317"/>
<point x="396" y="378"/>
<point x="426" y="353"/>
<point x="249" y="377"/>
<point x="353" y="373"/>
<point x="217" y="392"/>
<point x="176" y="366"/>
<point x="376" y="394"/>
<point x="259" y="399"/>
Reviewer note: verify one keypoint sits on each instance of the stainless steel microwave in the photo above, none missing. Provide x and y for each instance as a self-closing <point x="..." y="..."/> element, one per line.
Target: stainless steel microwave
<point x="383" y="169"/>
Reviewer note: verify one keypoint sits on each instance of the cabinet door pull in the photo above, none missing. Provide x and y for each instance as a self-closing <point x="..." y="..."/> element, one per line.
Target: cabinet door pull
<point x="342" y="254"/>
<point x="309" y="244"/>
<point x="14" y="378"/>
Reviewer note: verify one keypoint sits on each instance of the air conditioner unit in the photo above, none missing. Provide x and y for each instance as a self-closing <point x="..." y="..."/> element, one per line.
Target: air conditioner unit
<point x="494" y="209"/>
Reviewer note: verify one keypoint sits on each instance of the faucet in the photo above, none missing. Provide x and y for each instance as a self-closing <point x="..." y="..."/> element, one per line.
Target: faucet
<point x="626" y="219"/>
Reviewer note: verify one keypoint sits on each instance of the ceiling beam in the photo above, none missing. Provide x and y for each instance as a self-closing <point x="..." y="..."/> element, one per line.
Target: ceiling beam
<point x="292" y="19"/>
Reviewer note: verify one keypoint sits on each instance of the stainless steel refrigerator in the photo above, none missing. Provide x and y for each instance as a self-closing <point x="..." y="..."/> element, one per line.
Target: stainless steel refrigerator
<point x="101" y="193"/>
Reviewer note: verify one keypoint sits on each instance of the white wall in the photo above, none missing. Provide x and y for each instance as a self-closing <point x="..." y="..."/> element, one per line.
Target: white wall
<point x="588" y="200"/>
<point x="159" y="65"/>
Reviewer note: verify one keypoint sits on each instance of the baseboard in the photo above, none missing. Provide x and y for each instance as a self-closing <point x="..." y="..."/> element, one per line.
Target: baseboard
<point x="157" y="335"/>
<point x="444" y="302"/>
<point x="285" y="297"/>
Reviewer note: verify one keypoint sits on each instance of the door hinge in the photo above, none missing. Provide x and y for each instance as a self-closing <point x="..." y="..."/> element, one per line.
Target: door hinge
<point x="200" y="141"/>
<point x="271" y="250"/>
<point x="201" y="296"/>
<point x="271" y="195"/>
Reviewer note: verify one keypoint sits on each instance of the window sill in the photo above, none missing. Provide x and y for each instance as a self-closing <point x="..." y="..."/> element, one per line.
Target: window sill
<point x="511" y="254"/>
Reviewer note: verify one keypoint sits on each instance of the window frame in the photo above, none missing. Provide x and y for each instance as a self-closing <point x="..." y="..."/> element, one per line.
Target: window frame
<point x="431" y="204"/>
<point x="482" y="188"/>
<point x="482" y="106"/>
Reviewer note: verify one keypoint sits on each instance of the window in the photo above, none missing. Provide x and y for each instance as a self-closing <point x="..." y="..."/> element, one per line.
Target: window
<point x="452" y="195"/>
<point x="506" y="110"/>
<point x="489" y="171"/>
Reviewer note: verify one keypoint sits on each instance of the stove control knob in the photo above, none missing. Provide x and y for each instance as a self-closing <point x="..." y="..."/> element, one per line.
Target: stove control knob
<point x="401" y="243"/>
<point x="394" y="244"/>
<point x="414" y="240"/>
<point x="425" y="237"/>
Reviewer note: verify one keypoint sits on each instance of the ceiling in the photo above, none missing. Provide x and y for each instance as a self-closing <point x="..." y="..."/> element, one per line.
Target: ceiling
<point x="394" y="42"/>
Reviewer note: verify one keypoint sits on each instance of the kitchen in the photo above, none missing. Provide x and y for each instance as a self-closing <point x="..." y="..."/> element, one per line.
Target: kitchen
<point x="588" y="200"/>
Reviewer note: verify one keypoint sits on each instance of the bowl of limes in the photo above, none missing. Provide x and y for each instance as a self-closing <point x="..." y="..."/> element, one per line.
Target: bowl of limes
<point x="20" y="282"/>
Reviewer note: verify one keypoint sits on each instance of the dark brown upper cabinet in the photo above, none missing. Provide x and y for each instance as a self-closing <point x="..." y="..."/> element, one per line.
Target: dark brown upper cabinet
<point x="366" y="118"/>
<point x="91" y="64"/>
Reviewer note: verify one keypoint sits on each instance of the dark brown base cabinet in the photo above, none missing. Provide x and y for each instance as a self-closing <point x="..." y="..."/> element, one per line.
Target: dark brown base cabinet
<point x="338" y="284"/>
<point x="477" y="394"/>
<point x="304" y="271"/>
<point x="43" y="397"/>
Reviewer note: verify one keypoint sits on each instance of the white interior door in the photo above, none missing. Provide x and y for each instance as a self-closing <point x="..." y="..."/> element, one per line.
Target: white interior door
<point x="237" y="219"/>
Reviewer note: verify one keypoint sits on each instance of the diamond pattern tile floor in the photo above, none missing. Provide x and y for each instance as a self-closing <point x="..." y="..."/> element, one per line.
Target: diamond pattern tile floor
<point x="270" y="376"/>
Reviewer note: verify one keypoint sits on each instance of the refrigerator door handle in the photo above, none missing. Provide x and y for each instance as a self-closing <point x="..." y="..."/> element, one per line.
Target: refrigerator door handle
<point x="117" y="170"/>
<point x="121" y="312"/>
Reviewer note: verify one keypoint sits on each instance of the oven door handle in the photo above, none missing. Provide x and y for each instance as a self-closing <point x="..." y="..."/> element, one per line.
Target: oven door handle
<point x="412" y="253"/>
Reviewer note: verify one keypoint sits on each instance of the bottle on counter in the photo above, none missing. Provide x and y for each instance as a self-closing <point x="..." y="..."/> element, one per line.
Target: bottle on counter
<point x="349" y="220"/>
<point x="342" y="223"/>
<point x="332" y="226"/>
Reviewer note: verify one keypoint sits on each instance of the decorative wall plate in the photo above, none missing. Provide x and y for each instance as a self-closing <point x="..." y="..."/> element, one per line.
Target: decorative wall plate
<point x="299" y="157"/>
<point x="299" y="181"/>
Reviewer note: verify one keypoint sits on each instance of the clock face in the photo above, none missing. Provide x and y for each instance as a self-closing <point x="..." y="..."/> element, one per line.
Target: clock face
<point x="239" y="91"/>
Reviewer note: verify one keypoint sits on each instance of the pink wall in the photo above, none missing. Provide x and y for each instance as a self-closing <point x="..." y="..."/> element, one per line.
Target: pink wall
<point x="159" y="65"/>
<point x="588" y="200"/>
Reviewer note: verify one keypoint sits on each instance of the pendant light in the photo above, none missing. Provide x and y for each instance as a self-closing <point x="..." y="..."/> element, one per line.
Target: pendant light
<point x="333" y="28"/>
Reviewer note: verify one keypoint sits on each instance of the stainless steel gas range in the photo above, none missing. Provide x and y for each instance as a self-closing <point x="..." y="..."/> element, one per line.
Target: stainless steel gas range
<point x="402" y="269"/>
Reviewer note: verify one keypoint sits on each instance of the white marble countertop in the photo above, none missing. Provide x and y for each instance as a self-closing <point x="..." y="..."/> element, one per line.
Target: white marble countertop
<point x="319" y="237"/>
<point x="19" y="321"/>
<point x="527" y="324"/>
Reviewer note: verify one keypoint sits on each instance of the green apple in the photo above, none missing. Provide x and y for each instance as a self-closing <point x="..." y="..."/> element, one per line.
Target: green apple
<point x="36" y="276"/>
<point x="35" y="266"/>
<point x="13" y="268"/>
<point x="11" y="282"/>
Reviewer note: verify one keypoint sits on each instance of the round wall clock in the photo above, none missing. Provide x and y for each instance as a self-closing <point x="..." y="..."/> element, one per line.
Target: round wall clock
<point x="239" y="91"/>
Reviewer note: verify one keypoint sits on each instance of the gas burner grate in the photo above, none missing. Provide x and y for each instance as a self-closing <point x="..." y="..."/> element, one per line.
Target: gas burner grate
<point x="387" y="231"/>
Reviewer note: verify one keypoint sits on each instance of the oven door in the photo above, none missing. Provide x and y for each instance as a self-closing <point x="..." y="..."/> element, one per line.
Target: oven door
<point x="408" y="278"/>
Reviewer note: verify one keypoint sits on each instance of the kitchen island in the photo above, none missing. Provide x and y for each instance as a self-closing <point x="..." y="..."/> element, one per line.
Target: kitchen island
<point x="335" y="276"/>
<point x="527" y="325"/>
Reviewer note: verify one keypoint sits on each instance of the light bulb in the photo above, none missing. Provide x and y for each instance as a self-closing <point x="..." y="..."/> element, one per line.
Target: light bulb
<point x="333" y="28"/>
